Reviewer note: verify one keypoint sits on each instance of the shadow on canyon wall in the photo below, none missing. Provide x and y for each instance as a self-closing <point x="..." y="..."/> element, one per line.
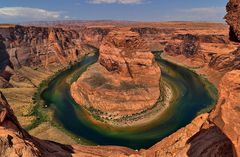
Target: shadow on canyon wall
<point x="210" y="142"/>
<point x="4" y="61"/>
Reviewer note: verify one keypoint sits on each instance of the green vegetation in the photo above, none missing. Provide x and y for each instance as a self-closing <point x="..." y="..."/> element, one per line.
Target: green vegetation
<point x="212" y="92"/>
<point x="39" y="105"/>
<point x="40" y="109"/>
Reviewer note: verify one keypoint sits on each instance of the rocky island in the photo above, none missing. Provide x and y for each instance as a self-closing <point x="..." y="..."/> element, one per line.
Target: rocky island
<point x="124" y="81"/>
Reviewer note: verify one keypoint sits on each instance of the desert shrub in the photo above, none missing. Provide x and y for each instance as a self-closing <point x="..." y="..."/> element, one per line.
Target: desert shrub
<point x="129" y="85"/>
<point x="96" y="80"/>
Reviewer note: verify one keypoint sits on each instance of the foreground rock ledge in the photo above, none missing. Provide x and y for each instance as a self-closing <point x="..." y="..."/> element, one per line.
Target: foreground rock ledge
<point x="124" y="81"/>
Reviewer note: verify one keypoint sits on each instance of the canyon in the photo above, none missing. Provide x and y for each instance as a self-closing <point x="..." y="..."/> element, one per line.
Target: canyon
<point x="30" y="54"/>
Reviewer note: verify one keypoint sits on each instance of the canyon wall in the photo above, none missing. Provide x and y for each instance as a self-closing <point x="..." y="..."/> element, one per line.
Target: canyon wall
<point x="42" y="46"/>
<point x="37" y="47"/>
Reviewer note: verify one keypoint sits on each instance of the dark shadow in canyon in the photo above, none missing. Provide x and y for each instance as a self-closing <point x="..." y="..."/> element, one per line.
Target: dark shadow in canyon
<point x="210" y="142"/>
<point x="4" y="61"/>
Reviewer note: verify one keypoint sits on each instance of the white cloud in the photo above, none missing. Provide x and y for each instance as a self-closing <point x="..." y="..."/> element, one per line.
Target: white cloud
<point x="207" y="10"/>
<point x="198" y="14"/>
<point x="29" y="13"/>
<point x="116" y="1"/>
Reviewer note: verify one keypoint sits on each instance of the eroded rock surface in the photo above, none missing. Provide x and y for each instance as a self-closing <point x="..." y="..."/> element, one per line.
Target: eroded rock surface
<point x="124" y="81"/>
<point x="37" y="47"/>
<point x="199" y="138"/>
<point x="226" y="62"/>
<point x="232" y="18"/>
<point x="227" y="112"/>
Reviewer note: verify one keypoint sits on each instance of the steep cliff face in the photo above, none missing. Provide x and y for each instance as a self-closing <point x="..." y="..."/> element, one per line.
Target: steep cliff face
<point x="93" y="35"/>
<point x="232" y="18"/>
<point x="199" y="138"/>
<point x="227" y="111"/>
<point x="37" y="47"/>
<point x="188" y="46"/>
<point x="124" y="81"/>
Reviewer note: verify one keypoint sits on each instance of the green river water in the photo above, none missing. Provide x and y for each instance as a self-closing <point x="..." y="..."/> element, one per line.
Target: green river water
<point x="192" y="95"/>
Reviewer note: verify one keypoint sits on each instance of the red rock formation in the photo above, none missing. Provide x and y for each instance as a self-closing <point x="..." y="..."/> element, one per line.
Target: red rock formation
<point x="93" y="35"/>
<point x="199" y="138"/>
<point x="226" y="62"/>
<point x="189" y="46"/>
<point x="35" y="46"/>
<point x="232" y="18"/>
<point x="124" y="81"/>
<point x="227" y="112"/>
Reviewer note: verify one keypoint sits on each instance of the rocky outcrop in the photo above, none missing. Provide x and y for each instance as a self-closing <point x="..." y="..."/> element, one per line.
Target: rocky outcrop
<point x="35" y="46"/>
<point x="232" y="18"/>
<point x="188" y="46"/>
<point x="93" y="35"/>
<point x="199" y="138"/>
<point x="226" y="62"/>
<point x="227" y="112"/>
<point x="124" y="81"/>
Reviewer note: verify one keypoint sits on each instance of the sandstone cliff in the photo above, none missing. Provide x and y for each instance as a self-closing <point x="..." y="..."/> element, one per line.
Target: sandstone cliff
<point x="227" y="111"/>
<point x="37" y="47"/>
<point x="232" y="18"/>
<point x="226" y="62"/>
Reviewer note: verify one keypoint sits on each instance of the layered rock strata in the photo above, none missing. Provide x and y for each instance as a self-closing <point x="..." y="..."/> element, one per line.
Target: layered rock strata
<point x="124" y="81"/>
<point x="227" y="111"/>
<point x="37" y="47"/>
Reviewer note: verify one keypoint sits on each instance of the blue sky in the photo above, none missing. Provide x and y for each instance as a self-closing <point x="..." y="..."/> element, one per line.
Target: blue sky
<point x="12" y="11"/>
